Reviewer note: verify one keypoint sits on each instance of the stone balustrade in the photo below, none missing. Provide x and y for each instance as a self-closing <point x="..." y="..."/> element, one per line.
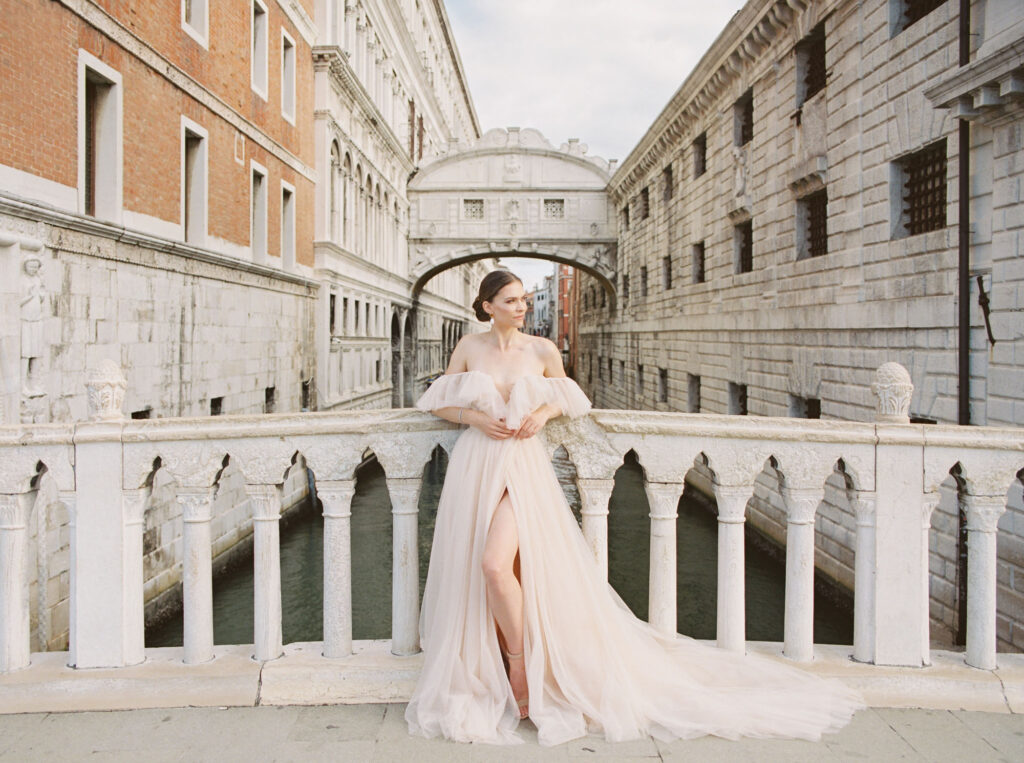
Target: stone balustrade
<point x="102" y="469"/>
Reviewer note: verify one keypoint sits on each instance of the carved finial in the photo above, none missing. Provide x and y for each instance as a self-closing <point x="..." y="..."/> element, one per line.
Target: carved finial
<point x="106" y="385"/>
<point x="892" y="389"/>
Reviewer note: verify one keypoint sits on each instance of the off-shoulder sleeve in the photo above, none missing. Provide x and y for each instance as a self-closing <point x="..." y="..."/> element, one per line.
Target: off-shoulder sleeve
<point x="567" y="395"/>
<point x="464" y="390"/>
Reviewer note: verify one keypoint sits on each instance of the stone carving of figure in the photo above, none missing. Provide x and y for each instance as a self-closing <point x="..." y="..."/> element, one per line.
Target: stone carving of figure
<point x="33" y="299"/>
<point x="513" y="168"/>
<point x="512" y="209"/>
<point x="741" y="170"/>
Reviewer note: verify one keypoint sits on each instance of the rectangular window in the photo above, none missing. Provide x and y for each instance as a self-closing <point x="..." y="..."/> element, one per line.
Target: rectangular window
<point x="100" y="148"/>
<point x="643" y="281"/>
<point x="554" y="209"/>
<point x="921" y="180"/>
<point x="609" y="370"/>
<point x="812" y="225"/>
<point x="697" y="256"/>
<point x="903" y="13"/>
<point x="743" y="119"/>
<point x="645" y="204"/>
<point x="412" y="129"/>
<point x="287" y="226"/>
<point x="195" y="20"/>
<point x="737" y="399"/>
<point x="743" y="247"/>
<point x="287" y="77"/>
<point x="258" y="48"/>
<point x="666" y="273"/>
<point x="193" y="182"/>
<point x="269" y="399"/>
<point x="216" y="406"/>
<point x="662" y="385"/>
<point x="331" y="320"/>
<point x="640" y="379"/>
<point x="693" y="393"/>
<point x="621" y="381"/>
<point x="700" y="155"/>
<point x="473" y="209"/>
<point x="258" y="218"/>
<point x="804" y="407"/>
<point x="344" y="316"/>
<point x="625" y="217"/>
<point x="604" y="298"/>
<point x="625" y="289"/>
<point x="810" y="65"/>
<point x="668" y="188"/>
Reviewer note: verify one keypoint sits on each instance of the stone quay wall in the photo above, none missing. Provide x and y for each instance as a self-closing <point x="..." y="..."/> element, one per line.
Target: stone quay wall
<point x="798" y="332"/>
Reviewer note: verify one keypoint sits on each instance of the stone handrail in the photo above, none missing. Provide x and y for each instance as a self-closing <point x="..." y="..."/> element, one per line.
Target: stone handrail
<point x="103" y="470"/>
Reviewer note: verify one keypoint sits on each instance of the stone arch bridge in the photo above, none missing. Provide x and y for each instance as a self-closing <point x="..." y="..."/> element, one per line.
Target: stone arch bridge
<point x="512" y="193"/>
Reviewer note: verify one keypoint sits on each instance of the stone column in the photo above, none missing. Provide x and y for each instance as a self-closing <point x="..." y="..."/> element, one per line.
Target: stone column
<point x="196" y="573"/>
<point x="266" y="537"/>
<point x="801" y="505"/>
<point x="134" y="502"/>
<point x="594" y="495"/>
<point x="405" y="576"/>
<point x="664" y="500"/>
<point x="337" y="501"/>
<point x="732" y="507"/>
<point x="864" y="578"/>
<point x="983" y="512"/>
<point x="14" y="612"/>
<point x="928" y="503"/>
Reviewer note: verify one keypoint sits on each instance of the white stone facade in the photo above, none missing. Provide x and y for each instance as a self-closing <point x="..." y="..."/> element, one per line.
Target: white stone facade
<point x="789" y="331"/>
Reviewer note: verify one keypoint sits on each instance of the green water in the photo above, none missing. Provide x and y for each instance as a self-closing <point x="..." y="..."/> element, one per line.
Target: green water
<point x="629" y="539"/>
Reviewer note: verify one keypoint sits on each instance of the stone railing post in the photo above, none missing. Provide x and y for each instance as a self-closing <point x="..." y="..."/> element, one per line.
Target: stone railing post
<point x="732" y="506"/>
<point x="337" y="500"/>
<point x="14" y="613"/>
<point x="983" y="512"/>
<point x="864" y="578"/>
<point x="266" y="538"/>
<point x="929" y="502"/>
<point x="196" y="573"/>
<point x="595" y="495"/>
<point x="900" y="559"/>
<point x="664" y="500"/>
<point x="801" y="505"/>
<point x="134" y="595"/>
<point x="405" y="592"/>
<point x="102" y="602"/>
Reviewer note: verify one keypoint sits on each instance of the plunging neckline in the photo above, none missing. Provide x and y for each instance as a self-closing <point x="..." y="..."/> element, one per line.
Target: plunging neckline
<point x="494" y="382"/>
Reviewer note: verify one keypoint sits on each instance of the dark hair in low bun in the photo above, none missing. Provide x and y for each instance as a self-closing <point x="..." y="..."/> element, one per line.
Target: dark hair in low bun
<point x="493" y="282"/>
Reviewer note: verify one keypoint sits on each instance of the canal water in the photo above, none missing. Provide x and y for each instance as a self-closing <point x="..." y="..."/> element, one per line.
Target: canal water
<point x="628" y="542"/>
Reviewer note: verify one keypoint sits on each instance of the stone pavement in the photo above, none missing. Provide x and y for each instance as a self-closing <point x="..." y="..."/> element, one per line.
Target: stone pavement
<point x="378" y="733"/>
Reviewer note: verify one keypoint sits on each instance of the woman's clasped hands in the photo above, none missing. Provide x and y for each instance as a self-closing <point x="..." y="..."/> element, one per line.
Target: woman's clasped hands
<point x="497" y="429"/>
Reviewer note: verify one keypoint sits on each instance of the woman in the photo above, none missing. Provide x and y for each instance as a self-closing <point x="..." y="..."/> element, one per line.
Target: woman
<point x="517" y="618"/>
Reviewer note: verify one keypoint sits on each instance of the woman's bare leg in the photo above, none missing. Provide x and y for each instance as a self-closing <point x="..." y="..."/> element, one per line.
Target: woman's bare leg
<point x="504" y="593"/>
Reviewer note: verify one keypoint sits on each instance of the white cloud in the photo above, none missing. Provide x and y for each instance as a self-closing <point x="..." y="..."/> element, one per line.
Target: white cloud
<point x="596" y="70"/>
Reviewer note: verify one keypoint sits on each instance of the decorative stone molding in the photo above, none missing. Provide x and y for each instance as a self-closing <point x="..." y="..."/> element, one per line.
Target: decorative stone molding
<point x="196" y="505"/>
<point x="802" y="504"/>
<point x="893" y="390"/>
<point x="983" y="512"/>
<point x="106" y="386"/>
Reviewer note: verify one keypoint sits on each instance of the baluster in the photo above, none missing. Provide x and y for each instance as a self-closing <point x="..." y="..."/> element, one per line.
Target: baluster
<point x="14" y="612"/>
<point x="134" y="502"/>
<point x="197" y="573"/>
<point x="337" y="501"/>
<point x="801" y="505"/>
<point x="864" y="578"/>
<point x="664" y="500"/>
<point x="983" y="512"/>
<point x="405" y="578"/>
<point x="595" y="495"/>
<point x="266" y="535"/>
<point x="732" y="505"/>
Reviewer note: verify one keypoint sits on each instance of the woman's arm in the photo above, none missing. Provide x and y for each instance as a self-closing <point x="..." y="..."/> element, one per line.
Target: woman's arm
<point x="493" y="428"/>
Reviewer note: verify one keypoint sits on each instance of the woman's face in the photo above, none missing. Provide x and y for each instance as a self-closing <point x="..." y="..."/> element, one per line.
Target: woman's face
<point x="508" y="308"/>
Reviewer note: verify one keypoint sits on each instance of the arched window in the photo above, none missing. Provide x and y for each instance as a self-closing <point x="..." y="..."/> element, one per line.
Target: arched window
<point x="333" y="186"/>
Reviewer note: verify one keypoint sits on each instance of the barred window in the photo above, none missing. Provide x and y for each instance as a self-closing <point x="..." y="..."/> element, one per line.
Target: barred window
<point x="698" y="262"/>
<point x="693" y="393"/>
<point x="923" y="175"/>
<point x="743" y="119"/>
<point x="804" y="407"/>
<point x="643" y="281"/>
<point x="810" y="59"/>
<point x="640" y="379"/>
<point x="668" y="187"/>
<point x="625" y="216"/>
<point x="915" y="10"/>
<point x="473" y="209"/>
<point x="662" y="385"/>
<point x="554" y="209"/>
<point x="743" y="245"/>
<point x="700" y="155"/>
<point x="645" y="204"/>
<point x="737" y="399"/>
<point x="812" y="217"/>
<point x="666" y="272"/>
<point x="625" y="289"/>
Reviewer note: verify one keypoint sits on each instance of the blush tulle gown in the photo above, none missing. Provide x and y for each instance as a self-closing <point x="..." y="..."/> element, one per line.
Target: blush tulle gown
<point x="591" y="665"/>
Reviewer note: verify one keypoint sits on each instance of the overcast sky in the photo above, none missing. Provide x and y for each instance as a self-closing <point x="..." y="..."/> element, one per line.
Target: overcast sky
<point x="597" y="70"/>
